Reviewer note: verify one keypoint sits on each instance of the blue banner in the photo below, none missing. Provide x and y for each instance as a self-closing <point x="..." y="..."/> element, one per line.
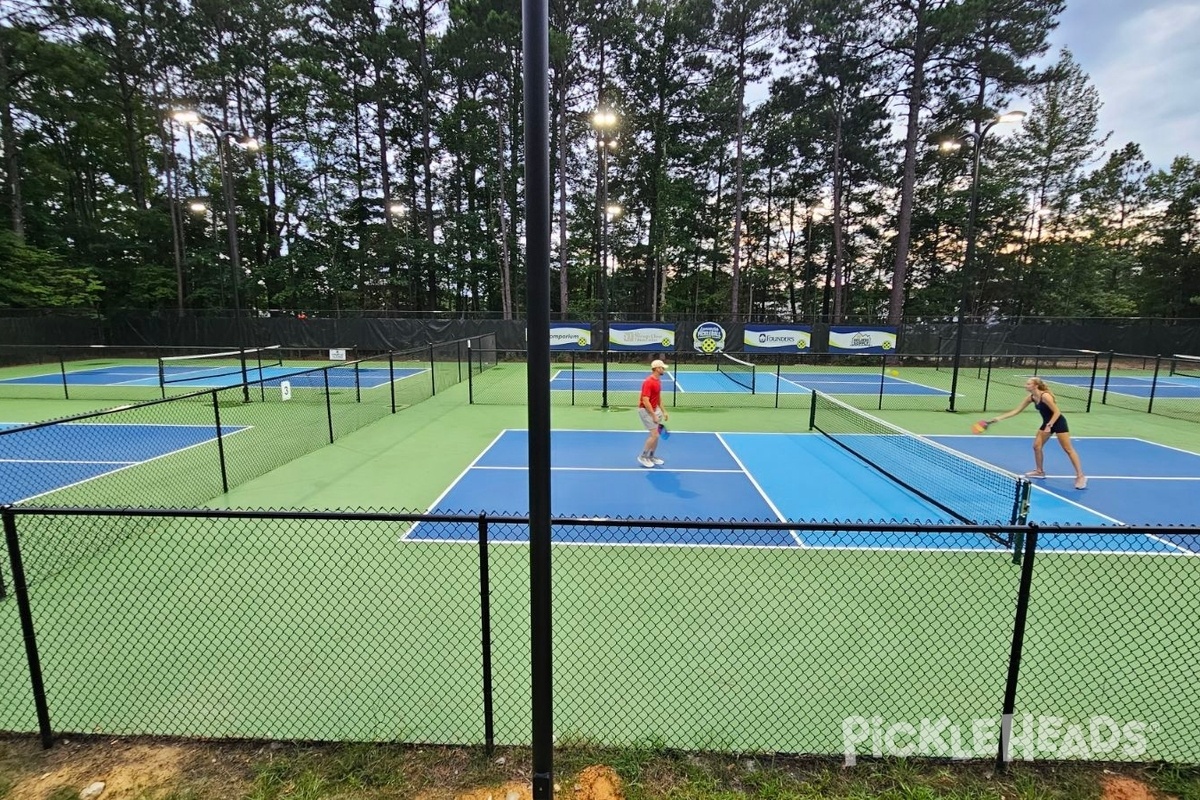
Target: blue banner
<point x="777" y="338"/>
<point x="862" y="341"/>
<point x="644" y="336"/>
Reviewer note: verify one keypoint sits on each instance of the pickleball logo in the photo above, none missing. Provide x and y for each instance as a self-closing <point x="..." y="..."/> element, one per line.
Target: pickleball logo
<point x="709" y="337"/>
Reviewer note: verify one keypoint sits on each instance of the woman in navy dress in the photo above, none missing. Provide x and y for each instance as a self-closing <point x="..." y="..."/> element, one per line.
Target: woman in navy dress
<point x="1053" y="422"/>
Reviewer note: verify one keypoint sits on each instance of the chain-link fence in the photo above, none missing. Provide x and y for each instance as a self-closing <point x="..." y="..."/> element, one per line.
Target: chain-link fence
<point x="985" y="380"/>
<point x="694" y="380"/>
<point x="188" y="449"/>
<point x="148" y="372"/>
<point x="869" y="639"/>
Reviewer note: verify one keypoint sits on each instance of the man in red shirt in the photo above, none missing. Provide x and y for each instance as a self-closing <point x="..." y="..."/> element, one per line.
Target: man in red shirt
<point x="651" y="412"/>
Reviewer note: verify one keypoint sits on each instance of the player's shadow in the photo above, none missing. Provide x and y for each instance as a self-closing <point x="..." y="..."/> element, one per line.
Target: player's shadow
<point x="668" y="483"/>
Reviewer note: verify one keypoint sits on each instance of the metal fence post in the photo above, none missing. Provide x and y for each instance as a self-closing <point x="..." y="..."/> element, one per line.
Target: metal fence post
<point x="21" y="589"/>
<point x="1014" y="657"/>
<point x="485" y="627"/>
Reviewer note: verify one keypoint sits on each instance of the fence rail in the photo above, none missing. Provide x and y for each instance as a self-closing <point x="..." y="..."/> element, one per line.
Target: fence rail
<point x="398" y="627"/>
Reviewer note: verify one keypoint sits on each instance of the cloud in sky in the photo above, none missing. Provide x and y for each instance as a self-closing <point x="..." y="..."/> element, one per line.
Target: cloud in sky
<point x="1142" y="56"/>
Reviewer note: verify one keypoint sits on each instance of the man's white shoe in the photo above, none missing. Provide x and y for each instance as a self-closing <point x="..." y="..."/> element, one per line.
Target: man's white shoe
<point x="645" y="462"/>
<point x="658" y="462"/>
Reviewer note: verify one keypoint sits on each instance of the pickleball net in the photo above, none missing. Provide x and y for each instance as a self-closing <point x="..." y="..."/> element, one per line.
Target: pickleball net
<point x="967" y="489"/>
<point x="249" y="361"/>
<point x="739" y="371"/>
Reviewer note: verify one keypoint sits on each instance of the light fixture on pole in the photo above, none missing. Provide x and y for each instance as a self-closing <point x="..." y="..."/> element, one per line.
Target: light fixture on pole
<point x="223" y="137"/>
<point x="976" y="139"/>
<point x="605" y="121"/>
<point x="194" y="119"/>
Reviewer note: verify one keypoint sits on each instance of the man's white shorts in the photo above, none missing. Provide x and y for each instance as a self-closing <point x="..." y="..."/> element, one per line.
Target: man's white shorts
<point x="650" y="423"/>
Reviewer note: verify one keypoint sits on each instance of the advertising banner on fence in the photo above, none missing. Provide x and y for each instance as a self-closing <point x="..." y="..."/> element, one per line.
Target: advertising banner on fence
<point x="648" y="336"/>
<point x="777" y="338"/>
<point x="708" y="337"/>
<point x="862" y="341"/>
<point x="570" y="336"/>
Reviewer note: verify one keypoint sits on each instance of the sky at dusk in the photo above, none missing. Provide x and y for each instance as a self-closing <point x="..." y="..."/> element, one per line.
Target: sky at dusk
<point x="1143" y="56"/>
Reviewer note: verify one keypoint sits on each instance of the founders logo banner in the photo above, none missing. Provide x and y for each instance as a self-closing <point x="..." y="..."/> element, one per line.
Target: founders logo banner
<point x="863" y="341"/>
<point x="709" y="337"/>
<point x="778" y="338"/>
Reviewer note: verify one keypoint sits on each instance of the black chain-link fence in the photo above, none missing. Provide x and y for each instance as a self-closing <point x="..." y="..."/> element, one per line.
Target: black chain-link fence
<point x="892" y="381"/>
<point x="868" y="639"/>
<point x="188" y="449"/>
<point x="986" y="380"/>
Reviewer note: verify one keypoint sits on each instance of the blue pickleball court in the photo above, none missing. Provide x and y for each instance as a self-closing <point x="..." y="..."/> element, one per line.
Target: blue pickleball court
<point x="44" y="459"/>
<point x="1176" y="386"/>
<point x="189" y="378"/>
<point x="765" y="382"/>
<point x="799" y="477"/>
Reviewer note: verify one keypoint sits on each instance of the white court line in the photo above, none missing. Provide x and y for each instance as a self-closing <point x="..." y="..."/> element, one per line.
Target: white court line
<point x="58" y="461"/>
<point x="758" y="488"/>
<point x="623" y="469"/>
<point x="127" y="466"/>
<point x="404" y="536"/>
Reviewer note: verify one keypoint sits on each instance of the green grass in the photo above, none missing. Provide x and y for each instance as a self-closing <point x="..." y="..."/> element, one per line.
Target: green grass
<point x="255" y="771"/>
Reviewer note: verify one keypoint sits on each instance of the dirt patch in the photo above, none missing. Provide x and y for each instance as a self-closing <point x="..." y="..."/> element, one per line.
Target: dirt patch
<point x="1121" y="788"/>
<point x="593" y="783"/>
<point x="598" y="783"/>
<point x="509" y="791"/>
<point x="127" y="770"/>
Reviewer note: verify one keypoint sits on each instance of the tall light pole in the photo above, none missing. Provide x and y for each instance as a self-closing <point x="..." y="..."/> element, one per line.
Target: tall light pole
<point x="605" y="123"/>
<point x="976" y="138"/>
<point x="224" y="137"/>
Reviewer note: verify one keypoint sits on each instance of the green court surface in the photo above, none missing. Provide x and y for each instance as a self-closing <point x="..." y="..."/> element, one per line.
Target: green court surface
<point x="326" y="630"/>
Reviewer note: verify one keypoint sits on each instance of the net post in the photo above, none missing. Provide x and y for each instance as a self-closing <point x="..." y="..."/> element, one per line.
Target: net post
<point x="812" y="409"/>
<point x="1092" y="384"/>
<point x="1154" y="383"/>
<point x="392" y="377"/>
<point x="62" y="370"/>
<point x="220" y="442"/>
<point x="1004" y="754"/>
<point x="262" y="384"/>
<point x="21" y="590"/>
<point x="245" y="377"/>
<point x="432" y="371"/>
<point x="882" y="378"/>
<point x="778" y="377"/>
<point x="357" y="383"/>
<point x="162" y="377"/>
<point x="987" y="385"/>
<point x="674" y="380"/>
<point x="470" y="376"/>
<point x="1107" y="378"/>
<point x="572" y="377"/>
<point x="328" y="403"/>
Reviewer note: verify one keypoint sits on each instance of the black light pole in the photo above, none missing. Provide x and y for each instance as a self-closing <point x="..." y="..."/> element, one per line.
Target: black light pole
<point x="224" y="137"/>
<point x="605" y="122"/>
<point x="535" y="63"/>
<point x="969" y="254"/>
